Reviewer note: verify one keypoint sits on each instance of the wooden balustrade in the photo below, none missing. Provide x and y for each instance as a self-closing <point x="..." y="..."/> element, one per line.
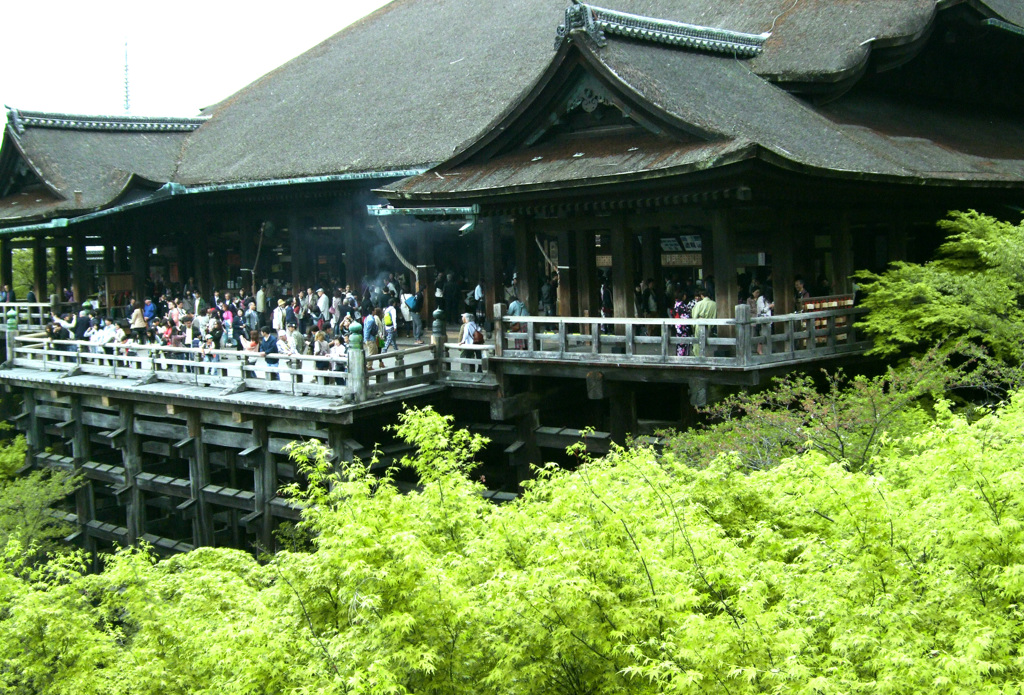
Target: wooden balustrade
<point x="32" y="316"/>
<point x="233" y="370"/>
<point x="741" y="342"/>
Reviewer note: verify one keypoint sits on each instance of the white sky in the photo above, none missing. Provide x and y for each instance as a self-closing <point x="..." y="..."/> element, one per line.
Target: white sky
<point x="68" y="57"/>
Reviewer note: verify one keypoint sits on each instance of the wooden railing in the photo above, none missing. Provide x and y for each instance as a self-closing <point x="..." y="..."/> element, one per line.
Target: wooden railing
<point x="742" y="342"/>
<point x="32" y="316"/>
<point x="353" y="379"/>
<point x="467" y="364"/>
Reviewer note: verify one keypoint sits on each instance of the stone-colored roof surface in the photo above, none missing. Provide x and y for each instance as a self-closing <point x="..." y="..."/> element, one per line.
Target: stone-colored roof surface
<point x="98" y="156"/>
<point x="411" y="83"/>
<point x="862" y="135"/>
<point x="405" y="86"/>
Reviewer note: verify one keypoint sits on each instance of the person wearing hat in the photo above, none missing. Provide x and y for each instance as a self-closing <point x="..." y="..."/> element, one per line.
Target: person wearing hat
<point x="466" y="333"/>
<point x="277" y="321"/>
<point x="323" y="302"/>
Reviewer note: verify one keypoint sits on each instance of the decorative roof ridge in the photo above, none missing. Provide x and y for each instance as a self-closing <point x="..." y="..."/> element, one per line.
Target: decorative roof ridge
<point x="595" y="21"/>
<point x="21" y="120"/>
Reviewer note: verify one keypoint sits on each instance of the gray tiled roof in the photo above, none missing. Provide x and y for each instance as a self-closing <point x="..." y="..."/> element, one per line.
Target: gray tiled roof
<point x="862" y="135"/>
<point x="99" y="156"/>
<point x="407" y="85"/>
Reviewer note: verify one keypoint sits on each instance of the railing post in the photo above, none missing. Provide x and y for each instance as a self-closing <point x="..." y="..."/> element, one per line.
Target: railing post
<point x="595" y="338"/>
<point x="357" y="373"/>
<point x="743" y="334"/>
<point x="563" y="338"/>
<point x="629" y="340"/>
<point x="499" y="329"/>
<point x="12" y="339"/>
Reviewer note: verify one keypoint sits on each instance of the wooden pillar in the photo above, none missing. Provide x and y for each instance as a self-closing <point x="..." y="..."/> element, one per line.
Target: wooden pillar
<point x="7" y="264"/>
<point x="356" y="242"/>
<point x="842" y="255"/>
<point x="587" y="286"/>
<point x="427" y="271"/>
<point x="724" y="260"/>
<point x="247" y="238"/>
<point x="39" y="269"/>
<point x="108" y="258"/>
<point x="131" y="457"/>
<point x="33" y="431"/>
<point x="199" y="478"/>
<point x="297" y="249"/>
<point x="491" y="257"/>
<point x="622" y="411"/>
<point x="60" y="268"/>
<point x="140" y="264"/>
<point x="121" y="256"/>
<point x="622" y="270"/>
<point x="527" y="262"/>
<point x="265" y="483"/>
<point x="79" y="269"/>
<point x="527" y="453"/>
<point x="650" y="258"/>
<point x="85" y="506"/>
<point x="782" y="263"/>
<point x="568" y="297"/>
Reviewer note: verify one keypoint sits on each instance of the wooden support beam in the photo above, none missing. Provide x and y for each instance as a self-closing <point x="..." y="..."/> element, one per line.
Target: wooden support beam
<point x="265" y="483"/>
<point x="199" y="478"/>
<point x="624" y="272"/>
<point x="527" y="264"/>
<point x="39" y="270"/>
<point x="568" y="271"/>
<point x="7" y="265"/>
<point x="79" y="269"/>
<point x="131" y="457"/>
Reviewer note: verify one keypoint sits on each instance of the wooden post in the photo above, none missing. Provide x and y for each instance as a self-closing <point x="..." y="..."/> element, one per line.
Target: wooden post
<point x="528" y="282"/>
<point x="622" y="412"/>
<point x="297" y="249"/>
<point x="782" y="263"/>
<point x="79" y="269"/>
<point x="568" y="298"/>
<point x="140" y="265"/>
<point x="131" y="456"/>
<point x="587" y="286"/>
<point x="85" y="506"/>
<point x="622" y="271"/>
<point x="357" y="374"/>
<point x="7" y="265"/>
<point x="744" y="346"/>
<point x="499" y="329"/>
<point x="494" y="292"/>
<point x="199" y="477"/>
<point x="60" y="267"/>
<point x="724" y="262"/>
<point x="39" y="269"/>
<point x="265" y="483"/>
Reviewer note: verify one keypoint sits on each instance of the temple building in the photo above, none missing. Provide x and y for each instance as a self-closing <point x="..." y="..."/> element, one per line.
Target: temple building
<point x="684" y="142"/>
<point x="692" y="140"/>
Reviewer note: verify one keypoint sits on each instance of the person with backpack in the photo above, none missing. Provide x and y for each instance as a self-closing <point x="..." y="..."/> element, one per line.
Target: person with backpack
<point x="370" y="333"/>
<point x="415" y="304"/>
<point x="390" y="321"/>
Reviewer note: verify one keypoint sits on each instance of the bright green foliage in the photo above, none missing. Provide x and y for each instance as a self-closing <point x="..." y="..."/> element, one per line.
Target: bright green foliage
<point x="25" y="501"/>
<point x="849" y="421"/>
<point x="974" y="289"/>
<point x="633" y="574"/>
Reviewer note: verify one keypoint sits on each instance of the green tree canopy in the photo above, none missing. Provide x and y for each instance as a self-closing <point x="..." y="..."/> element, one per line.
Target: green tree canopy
<point x="633" y="574"/>
<point x="973" y="289"/>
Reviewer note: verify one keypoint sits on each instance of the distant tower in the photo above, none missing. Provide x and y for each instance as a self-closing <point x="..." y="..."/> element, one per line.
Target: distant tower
<point x="127" y="101"/>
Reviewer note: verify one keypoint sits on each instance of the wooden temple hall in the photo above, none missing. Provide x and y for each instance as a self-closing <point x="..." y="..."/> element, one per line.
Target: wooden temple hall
<point x="688" y="142"/>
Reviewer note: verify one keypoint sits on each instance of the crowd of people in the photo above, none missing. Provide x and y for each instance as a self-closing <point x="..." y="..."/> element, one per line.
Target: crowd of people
<point x="272" y="323"/>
